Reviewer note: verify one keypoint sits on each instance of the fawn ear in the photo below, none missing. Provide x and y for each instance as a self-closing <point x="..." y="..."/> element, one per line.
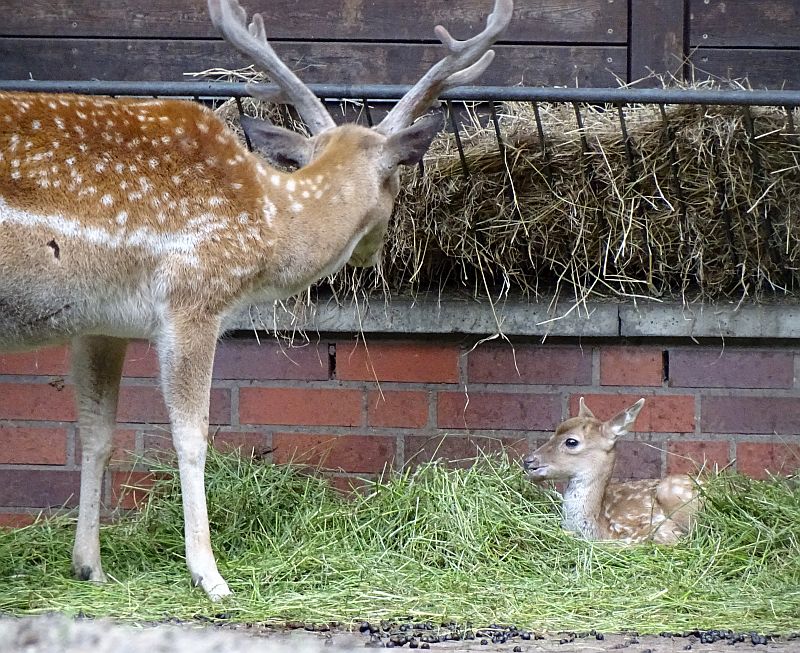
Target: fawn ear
<point x="583" y="410"/>
<point x="407" y="146"/>
<point x="622" y="421"/>
<point x="280" y="146"/>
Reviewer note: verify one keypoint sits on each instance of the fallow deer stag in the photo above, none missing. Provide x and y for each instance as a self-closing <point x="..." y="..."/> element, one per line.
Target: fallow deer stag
<point x="123" y="218"/>
<point x="582" y="452"/>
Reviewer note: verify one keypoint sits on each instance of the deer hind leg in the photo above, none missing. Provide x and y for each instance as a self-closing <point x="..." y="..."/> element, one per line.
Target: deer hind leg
<point x="97" y="368"/>
<point x="187" y="356"/>
<point x="678" y="498"/>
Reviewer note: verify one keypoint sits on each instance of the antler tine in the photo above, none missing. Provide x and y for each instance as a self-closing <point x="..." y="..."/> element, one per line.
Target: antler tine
<point x="230" y="18"/>
<point x="464" y="63"/>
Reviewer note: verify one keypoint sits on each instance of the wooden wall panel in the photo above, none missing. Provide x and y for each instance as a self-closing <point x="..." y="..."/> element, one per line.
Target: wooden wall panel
<point x="656" y="37"/>
<point x="745" y="23"/>
<point x="354" y="63"/>
<point x="553" y="21"/>
<point x="763" y="68"/>
<point x="551" y="42"/>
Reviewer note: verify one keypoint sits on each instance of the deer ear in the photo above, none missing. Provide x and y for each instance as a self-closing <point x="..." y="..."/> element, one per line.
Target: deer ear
<point x="583" y="410"/>
<point x="622" y="421"/>
<point x="408" y="146"/>
<point x="280" y="146"/>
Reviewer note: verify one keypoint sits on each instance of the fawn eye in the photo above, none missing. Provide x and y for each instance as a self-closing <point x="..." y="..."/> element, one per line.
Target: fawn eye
<point x="571" y="443"/>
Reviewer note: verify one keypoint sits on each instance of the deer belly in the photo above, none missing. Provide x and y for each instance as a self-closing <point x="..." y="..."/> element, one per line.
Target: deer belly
<point x="34" y="314"/>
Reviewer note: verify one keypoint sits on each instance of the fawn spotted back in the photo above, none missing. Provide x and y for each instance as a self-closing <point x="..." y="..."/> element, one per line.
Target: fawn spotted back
<point x="125" y="218"/>
<point x="582" y="452"/>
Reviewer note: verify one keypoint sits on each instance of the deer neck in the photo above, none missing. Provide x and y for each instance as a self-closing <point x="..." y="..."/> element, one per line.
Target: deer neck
<point x="322" y="212"/>
<point x="583" y="504"/>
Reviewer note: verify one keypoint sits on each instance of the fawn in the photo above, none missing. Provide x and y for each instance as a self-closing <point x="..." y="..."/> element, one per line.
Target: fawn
<point x="582" y="453"/>
<point x="127" y="218"/>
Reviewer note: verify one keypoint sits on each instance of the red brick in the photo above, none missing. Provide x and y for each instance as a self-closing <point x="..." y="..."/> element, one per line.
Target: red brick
<point x="16" y="519"/>
<point x="412" y="362"/>
<point x="141" y="360"/>
<point x="520" y="411"/>
<point x="131" y="490"/>
<point x="246" y="443"/>
<point x="535" y="364"/>
<point x="397" y="408"/>
<point x="636" y="459"/>
<point x="20" y="445"/>
<point x="631" y="366"/>
<point x="460" y="450"/>
<point x="349" y="453"/>
<point x="758" y="459"/>
<point x="661" y="413"/>
<point x="246" y="359"/>
<point x="123" y="448"/>
<point x="39" y="488"/>
<point x="156" y="443"/>
<point x="37" y="401"/>
<point x="730" y="368"/>
<point x="51" y="361"/>
<point x="691" y="456"/>
<point x="300" y="406"/>
<point x="145" y="404"/>
<point x="780" y="415"/>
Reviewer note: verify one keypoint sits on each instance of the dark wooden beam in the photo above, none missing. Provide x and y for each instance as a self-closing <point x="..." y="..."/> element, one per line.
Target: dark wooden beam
<point x="344" y="63"/>
<point x="550" y="21"/>
<point x="720" y="23"/>
<point x="770" y="69"/>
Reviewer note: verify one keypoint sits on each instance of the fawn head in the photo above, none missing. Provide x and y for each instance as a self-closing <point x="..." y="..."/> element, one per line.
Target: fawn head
<point x="372" y="156"/>
<point x="582" y="446"/>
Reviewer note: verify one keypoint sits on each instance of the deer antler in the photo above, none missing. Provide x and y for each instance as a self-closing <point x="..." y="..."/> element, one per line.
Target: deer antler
<point x="466" y="61"/>
<point x="230" y="18"/>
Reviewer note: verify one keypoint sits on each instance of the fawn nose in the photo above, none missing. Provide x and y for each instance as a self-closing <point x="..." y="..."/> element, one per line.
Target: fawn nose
<point x="531" y="461"/>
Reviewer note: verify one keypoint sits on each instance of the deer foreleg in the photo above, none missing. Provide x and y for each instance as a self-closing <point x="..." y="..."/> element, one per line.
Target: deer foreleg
<point x="187" y="357"/>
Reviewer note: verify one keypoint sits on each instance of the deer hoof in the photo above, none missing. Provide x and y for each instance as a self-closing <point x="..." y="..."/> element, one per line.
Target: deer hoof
<point x="214" y="586"/>
<point x="93" y="574"/>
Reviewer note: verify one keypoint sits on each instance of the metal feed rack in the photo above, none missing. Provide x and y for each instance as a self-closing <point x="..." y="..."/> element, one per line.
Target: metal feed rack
<point x="618" y="97"/>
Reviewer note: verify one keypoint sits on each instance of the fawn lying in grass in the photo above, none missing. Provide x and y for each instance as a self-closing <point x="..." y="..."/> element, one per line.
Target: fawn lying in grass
<point x="582" y="452"/>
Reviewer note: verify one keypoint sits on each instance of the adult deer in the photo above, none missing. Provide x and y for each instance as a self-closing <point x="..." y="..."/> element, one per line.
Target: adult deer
<point x="582" y="452"/>
<point x="124" y="218"/>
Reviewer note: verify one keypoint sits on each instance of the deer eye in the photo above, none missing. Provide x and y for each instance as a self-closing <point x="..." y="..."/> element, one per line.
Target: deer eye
<point x="571" y="443"/>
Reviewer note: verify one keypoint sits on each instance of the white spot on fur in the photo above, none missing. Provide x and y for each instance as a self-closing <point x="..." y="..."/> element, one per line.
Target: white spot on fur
<point x="107" y="200"/>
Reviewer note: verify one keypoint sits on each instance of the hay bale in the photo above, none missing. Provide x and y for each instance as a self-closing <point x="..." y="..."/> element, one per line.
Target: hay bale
<point x="698" y="201"/>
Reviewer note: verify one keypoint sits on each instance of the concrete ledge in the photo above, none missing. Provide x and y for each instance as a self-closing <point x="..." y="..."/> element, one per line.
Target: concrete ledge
<point x="711" y="320"/>
<point x="522" y="318"/>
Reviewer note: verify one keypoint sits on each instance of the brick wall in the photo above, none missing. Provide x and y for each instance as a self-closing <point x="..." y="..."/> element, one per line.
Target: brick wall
<point x="356" y="409"/>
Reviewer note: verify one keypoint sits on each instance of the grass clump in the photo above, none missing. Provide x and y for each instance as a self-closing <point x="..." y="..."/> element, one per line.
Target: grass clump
<point x="479" y="544"/>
